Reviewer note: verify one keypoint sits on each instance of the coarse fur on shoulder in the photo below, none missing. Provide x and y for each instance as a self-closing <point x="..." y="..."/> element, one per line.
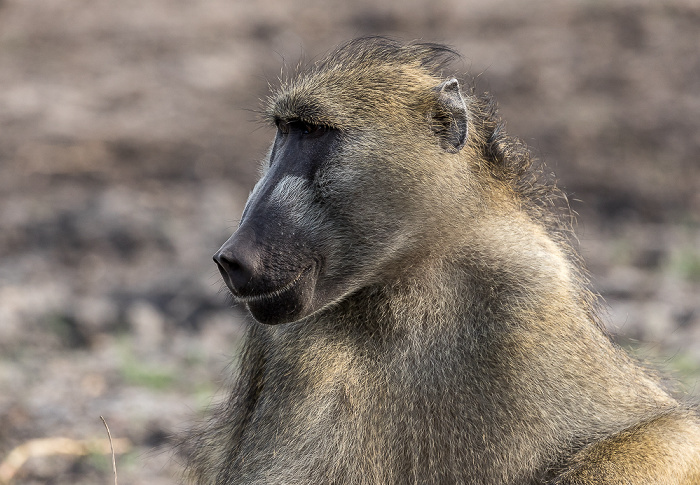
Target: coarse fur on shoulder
<point x="508" y="161"/>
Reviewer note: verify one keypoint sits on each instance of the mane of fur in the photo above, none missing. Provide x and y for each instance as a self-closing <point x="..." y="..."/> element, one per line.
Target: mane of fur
<point x="485" y="365"/>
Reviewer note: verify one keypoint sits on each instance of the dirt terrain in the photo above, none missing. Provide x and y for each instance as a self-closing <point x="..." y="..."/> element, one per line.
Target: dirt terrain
<point x="129" y="142"/>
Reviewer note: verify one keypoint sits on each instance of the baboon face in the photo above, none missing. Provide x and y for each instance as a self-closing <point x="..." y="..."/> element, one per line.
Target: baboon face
<point x="339" y="201"/>
<point x="305" y="236"/>
<point x="276" y="260"/>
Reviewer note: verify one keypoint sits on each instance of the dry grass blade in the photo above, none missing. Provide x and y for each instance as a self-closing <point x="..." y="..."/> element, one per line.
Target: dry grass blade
<point x="57" y="446"/>
<point x="111" y="447"/>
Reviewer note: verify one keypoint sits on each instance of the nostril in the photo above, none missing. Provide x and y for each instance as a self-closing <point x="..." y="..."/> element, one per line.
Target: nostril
<point x="225" y="263"/>
<point x="235" y="272"/>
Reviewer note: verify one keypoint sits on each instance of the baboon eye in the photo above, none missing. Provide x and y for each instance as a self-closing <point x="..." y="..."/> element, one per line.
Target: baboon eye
<point x="287" y="127"/>
<point x="313" y="131"/>
<point x="309" y="129"/>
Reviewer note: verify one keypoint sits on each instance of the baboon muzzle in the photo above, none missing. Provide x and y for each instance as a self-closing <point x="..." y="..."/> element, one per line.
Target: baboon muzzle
<point x="276" y="285"/>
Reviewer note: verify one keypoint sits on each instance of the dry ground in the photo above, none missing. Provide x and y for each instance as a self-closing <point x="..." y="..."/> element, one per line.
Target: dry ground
<point x="128" y="145"/>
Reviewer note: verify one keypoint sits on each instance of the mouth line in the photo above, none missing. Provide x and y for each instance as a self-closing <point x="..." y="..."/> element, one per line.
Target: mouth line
<point x="271" y="295"/>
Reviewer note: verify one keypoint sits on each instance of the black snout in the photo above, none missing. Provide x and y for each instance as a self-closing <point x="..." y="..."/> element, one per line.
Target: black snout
<point x="239" y="262"/>
<point x="270" y="276"/>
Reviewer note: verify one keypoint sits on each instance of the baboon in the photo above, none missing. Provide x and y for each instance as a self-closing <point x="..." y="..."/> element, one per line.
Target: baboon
<point x="420" y="314"/>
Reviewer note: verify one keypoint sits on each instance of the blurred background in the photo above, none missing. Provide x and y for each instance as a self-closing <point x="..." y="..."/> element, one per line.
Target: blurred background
<point x="129" y="142"/>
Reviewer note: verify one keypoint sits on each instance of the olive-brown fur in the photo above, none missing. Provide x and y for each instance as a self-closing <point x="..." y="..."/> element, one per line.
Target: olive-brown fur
<point x="454" y="339"/>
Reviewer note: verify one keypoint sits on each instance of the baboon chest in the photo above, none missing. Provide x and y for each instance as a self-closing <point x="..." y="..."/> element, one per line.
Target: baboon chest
<point x="342" y="419"/>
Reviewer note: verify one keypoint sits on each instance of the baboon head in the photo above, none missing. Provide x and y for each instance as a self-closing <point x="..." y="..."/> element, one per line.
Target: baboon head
<point x="351" y="187"/>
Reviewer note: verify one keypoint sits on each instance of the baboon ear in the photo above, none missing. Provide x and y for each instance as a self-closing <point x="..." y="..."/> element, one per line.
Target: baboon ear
<point x="449" y="119"/>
